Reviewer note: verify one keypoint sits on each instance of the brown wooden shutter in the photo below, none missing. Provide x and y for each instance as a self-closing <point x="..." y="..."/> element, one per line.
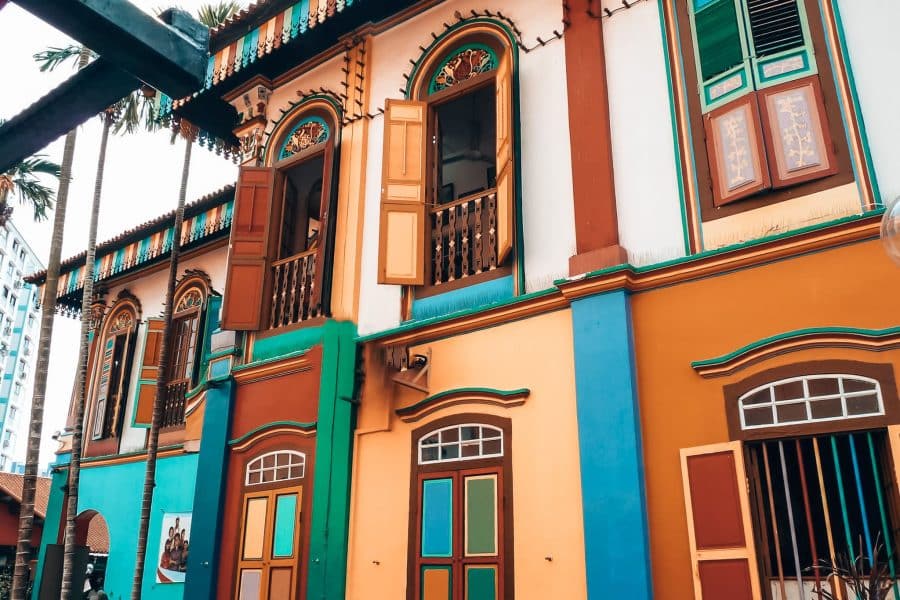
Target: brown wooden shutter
<point x="146" y="386"/>
<point x="248" y="256"/>
<point x="401" y="251"/>
<point x="103" y="389"/>
<point x="506" y="173"/>
<point x="718" y="518"/>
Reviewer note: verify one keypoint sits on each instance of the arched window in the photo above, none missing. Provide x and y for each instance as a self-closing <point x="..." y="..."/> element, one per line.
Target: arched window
<point x="461" y="509"/>
<point x="810" y="398"/>
<point x="187" y="326"/>
<point x="115" y="370"/>
<point x="282" y="465"/>
<point x="448" y="195"/>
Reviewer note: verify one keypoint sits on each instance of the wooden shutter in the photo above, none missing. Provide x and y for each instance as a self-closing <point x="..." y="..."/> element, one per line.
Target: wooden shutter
<point x="401" y="251"/>
<point x="722" y="51"/>
<point x="506" y="173"/>
<point x="103" y="388"/>
<point x="248" y="256"/>
<point x="146" y="386"/>
<point x="718" y="520"/>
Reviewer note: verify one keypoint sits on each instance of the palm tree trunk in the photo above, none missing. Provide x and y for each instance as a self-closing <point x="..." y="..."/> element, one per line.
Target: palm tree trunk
<point x="80" y="391"/>
<point x="161" y="380"/>
<point x="48" y="308"/>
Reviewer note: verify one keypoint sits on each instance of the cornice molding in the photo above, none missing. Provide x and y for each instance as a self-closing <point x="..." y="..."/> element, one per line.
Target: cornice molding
<point x="423" y="408"/>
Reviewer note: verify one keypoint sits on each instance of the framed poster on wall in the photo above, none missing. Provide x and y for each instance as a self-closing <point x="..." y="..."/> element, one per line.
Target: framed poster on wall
<point x="174" y="547"/>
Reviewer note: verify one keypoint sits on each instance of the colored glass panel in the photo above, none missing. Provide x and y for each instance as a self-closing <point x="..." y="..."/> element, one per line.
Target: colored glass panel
<point x="250" y="581"/>
<point x="307" y="133"/>
<point x="465" y="63"/>
<point x="718" y="37"/>
<point x="255" y="528"/>
<point x="481" y="515"/>
<point x="280" y="583"/>
<point x="437" y="517"/>
<point x="436" y="583"/>
<point x="481" y="583"/>
<point x="285" y="522"/>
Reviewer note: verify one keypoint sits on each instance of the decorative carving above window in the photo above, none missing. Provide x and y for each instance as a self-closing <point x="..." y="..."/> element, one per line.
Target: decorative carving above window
<point x="193" y="298"/>
<point x="309" y="132"/>
<point x="808" y="399"/>
<point x="282" y="465"/>
<point x="122" y="321"/>
<point x="465" y="63"/>
<point x="460" y="442"/>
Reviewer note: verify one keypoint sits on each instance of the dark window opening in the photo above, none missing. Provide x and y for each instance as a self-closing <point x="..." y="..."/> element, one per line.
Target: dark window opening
<point x="119" y="378"/>
<point x="465" y="133"/>
<point x="799" y="527"/>
<point x="301" y="222"/>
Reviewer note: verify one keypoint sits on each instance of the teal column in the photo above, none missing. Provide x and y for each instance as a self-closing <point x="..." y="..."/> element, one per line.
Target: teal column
<point x="209" y="493"/>
<point x="616" y="532"/>
<point x="334" y="445"/>
<point x="59" y="485"/>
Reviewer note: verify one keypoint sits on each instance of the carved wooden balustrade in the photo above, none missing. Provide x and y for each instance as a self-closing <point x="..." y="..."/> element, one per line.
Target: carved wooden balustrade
<point x="464" y="237"/>
<point x="173" y="404"/>
<point x="294" y="294"/>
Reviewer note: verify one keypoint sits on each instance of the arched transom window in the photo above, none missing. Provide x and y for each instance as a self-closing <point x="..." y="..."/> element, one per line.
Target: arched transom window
<point x="811" y="398"/>
<point x="461" y="442"/>
<point x="281" y="465"/>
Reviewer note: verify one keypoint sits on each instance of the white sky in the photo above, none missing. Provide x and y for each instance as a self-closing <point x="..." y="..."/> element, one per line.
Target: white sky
<point x="141" y="182"/>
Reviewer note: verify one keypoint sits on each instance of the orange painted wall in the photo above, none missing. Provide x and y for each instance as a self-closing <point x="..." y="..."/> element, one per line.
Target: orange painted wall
<point x="535" y="353"/>
<point x="853" y="286"/>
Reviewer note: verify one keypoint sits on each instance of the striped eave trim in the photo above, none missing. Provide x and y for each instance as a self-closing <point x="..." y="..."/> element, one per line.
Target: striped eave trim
<point x="196" y="228"/>
<point x="287" y="25"/>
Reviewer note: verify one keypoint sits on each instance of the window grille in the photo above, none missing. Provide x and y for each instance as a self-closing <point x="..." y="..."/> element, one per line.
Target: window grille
<point x="282" y="465"/>
<point x="461" y="442"/>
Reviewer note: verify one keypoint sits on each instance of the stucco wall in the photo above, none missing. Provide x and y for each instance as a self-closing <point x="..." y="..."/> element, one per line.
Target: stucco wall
<point x="546" y="483"/>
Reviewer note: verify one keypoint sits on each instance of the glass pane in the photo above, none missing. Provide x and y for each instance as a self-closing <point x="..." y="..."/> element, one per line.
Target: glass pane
<point x="481" y="583"/>
<point x="449" y="452"/>
<point x="759" y="397"/>
<point x="823" y="387"/>
<point x="285" y="522"/>
<point x="255" y="527"/>
<point x="826" y="409"/>
<point x="250" y="580"/>
<point x="429" y="454"/>
<point x="789" y="391"/>
<point x="470" y="433"/>
<point x="481" y="515"/>
<point x="862" y="405"/>
<point x="436" y="583"/>
<point x="437" y="517"/>
<point x="491" y="447"/>
<point x="431" y="439"/>
<point x="471" y="449"/>
<point x="788" y="413"/>
<point x="450" y="435"/>
<point x="855" y="385"/>
<point x="280" y="583"/>
<point x="755" y="417"/>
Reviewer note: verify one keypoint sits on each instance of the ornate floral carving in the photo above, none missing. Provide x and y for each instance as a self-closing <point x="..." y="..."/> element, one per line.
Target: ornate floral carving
<point x="123" y="320"/>
<point x="309" y="132"/>
<point x="190" y="299"/>
<point x="468" y="62"/>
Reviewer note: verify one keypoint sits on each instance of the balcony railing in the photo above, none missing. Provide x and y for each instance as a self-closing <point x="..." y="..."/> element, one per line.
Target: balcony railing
<point x="464" y="237"/>
<point x="173" y="404"/>
<point x="294" y="294"/>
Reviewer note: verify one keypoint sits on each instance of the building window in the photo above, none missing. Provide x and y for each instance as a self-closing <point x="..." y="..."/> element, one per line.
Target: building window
<point x="461" y="511"/>
<point x="448" y="197"/>
<point x="115" y="372"/>
<point x="13" y="413"/>
<point x="13" y="300"/>
<point x="26" y="346"/>
<point x="761" y="108"/>
<point x="15" y="246"/>
<point x="282" y="465"/>
<point x="288" y="253"/>
<point x="22" y="255"/>
<point x="17" y="389"/>
<point x="10" y="268"/>
<point x="30" y="321"/>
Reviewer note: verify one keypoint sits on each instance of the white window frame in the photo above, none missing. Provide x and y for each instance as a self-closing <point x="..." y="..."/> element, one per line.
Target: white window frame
<point x="256" y="466"/>
<point x="459" y="442"/>
<point x="807" y="399"/>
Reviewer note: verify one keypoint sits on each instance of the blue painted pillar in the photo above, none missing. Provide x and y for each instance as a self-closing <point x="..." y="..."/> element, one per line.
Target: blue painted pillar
<point x="56" y="513"/>
<point x="209" y="494"/>
<point x="617" y="549"/>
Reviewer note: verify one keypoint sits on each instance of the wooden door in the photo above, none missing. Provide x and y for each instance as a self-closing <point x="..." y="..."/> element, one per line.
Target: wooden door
<point x="269" y="559"/>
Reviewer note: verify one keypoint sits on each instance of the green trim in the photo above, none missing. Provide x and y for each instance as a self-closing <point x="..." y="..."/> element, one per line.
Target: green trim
<point x="52" y="521"/>
<point x="235" y="351"/>
<point x="491" y="66"/>
<point x="474" y="391"/>
<point x="210" y="326"/>
<point x="272" y="425"/>
<point x="804" y="71"/>
<point x="137" y="395"/>
<point x="279" y="345"/>
<point x="93" y="459"/>
<point x="795" y="334"/>
<point x="854" y="97"/>
<point x="269" y="361"/>
<point x="311" y="119"/>
<point x="298" y="107"/>
<point x="680" y="167"/>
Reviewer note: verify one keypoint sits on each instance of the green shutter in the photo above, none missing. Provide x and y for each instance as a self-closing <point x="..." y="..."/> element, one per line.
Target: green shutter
<point x="718" y="36"/>
<point x="481" y="515"/>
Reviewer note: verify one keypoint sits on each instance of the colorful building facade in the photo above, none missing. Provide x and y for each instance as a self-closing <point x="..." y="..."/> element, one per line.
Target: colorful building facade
<point x="516" y="298"/>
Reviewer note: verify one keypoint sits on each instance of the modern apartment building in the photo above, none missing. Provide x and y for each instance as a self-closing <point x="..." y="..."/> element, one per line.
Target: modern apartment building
<point x="19" y="329"/>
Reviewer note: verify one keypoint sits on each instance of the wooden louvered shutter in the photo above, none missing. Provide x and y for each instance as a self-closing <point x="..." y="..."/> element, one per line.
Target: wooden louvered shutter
<point x="723" y="57"/>
<point x="146" y="385"/>
<point x="775" y="26"/>
<point x="103" y="388"/>
<point x="506" y="172"/>
<point x="401" y="251"/>
<point x="248" y="256"/>
<point x="718" y="518"/>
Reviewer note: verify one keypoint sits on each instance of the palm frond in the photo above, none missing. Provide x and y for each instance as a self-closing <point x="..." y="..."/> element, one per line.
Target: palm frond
<point x="36" y="165"/>
<point x="53" y="56"/>
<point x="134" y="112"/>
<point x="32" y="191"/>
<point x="214" y="14"/>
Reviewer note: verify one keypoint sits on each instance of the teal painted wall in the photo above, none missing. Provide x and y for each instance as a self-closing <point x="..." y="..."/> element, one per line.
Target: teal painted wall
<point x="59" y="481"/>
<point x="115" y="492"/>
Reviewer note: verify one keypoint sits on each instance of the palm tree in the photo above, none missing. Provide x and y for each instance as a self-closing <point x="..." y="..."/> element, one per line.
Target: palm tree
<point x="48" y="308"/>
<point x="211" y="15"/>
<point x="23" y="180"/>
<point x="132" y="113"/>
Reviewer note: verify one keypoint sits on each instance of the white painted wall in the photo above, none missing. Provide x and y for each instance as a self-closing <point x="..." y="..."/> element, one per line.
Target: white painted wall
<point x="870" y="30"/>
<point x="549" y="224"/>
<point x="645" y="172"/>
<point x="151" y="291"/>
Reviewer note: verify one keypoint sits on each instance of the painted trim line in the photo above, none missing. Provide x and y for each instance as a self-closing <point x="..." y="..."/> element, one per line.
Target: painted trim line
<point x="278" y="426"/>
<point x="473" y="395"/>
<point x="875" y="340"/>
